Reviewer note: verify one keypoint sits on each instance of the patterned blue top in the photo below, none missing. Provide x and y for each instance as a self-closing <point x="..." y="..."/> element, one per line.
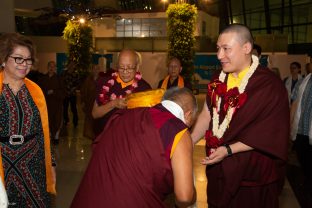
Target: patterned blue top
<point x="306" y="110"/>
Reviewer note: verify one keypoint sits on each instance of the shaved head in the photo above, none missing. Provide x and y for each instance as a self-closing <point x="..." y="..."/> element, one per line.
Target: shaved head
<point x="243" y="34"/>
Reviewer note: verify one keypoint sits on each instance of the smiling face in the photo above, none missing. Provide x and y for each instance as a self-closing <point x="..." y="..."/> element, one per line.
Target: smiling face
<point x="127" y="65"/>
<point x="234" y="55"/>
<point x="14" y="70"/>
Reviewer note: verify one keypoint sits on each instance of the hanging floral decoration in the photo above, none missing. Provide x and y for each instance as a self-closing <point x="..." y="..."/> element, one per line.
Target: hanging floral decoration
<point x="233" y="99"/>
<point x="105" y="96"/>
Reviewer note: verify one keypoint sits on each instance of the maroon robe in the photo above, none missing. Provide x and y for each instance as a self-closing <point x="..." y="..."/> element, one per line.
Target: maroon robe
<point x="251" y="179"/>
<point x="100" y="123"/>
<point x="130" y="165"/>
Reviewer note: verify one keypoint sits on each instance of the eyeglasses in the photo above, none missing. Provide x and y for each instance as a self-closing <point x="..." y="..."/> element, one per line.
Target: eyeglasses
<point x="128" y="69"/>
<point x="20" y="60"/>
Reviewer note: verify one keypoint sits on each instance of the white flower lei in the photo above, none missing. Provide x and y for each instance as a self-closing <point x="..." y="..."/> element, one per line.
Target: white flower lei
<point x="219" y="130"/>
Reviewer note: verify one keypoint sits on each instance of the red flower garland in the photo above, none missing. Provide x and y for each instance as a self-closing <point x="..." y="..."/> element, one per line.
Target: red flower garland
<point x="216" y="89"/>
<point x="212" y="142"/>
<point x="105" y="98"/>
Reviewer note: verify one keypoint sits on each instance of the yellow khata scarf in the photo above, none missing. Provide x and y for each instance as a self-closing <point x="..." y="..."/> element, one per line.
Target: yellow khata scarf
<point x="38" y="97"/>
<point x="147" y="98"/>
<point x="235" y="81"/>
<point x="123" y="84"/>
<point x="166" y="80"/>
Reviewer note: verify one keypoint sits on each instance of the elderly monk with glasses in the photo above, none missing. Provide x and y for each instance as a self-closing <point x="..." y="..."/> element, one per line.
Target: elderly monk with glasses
<point x="112" y="91"/>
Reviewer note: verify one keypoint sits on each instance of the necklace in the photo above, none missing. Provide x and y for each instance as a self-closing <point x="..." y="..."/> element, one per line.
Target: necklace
<point x="218" y="130"/>
<point x="104" y="96"/>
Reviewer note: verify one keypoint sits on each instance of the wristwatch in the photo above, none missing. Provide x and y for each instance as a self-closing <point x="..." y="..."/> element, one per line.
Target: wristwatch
<point x="228" y="149"/>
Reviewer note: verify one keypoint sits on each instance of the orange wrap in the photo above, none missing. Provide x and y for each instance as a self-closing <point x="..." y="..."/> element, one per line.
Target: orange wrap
<point x="166" y="80"/>
<point x="38" y="97"/>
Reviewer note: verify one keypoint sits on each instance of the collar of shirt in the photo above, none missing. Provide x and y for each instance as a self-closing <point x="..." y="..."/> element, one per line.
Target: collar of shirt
<point x="235" y="81"/>
<point x="123" y="84"/>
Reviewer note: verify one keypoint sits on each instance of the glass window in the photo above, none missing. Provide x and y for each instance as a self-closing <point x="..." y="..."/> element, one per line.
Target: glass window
<point x="154" y="27"/>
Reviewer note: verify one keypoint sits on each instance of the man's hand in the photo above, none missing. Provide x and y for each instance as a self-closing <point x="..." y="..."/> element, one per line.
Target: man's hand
<point x="119" y="103"/>
<point x="216" y="156"/>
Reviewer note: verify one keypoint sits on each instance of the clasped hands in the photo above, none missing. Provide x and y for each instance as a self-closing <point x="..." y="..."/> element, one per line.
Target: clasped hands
<point x="217" y="155"/>
<point x="119" y="103"/>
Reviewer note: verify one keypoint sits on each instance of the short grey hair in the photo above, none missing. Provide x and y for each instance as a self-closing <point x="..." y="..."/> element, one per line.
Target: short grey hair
<point x="183" y="97"/>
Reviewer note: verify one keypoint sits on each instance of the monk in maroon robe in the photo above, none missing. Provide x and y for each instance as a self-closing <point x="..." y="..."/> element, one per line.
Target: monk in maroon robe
<point x="143" y="155"/>
<point x="112" y="90"/>
<point x="245" y="157"/>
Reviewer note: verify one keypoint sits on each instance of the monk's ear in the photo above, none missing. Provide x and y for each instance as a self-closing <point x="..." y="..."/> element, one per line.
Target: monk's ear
<point x="247" y="47"/>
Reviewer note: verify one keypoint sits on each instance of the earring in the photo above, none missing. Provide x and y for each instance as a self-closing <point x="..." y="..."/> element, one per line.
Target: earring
<point x="3" y="65"/>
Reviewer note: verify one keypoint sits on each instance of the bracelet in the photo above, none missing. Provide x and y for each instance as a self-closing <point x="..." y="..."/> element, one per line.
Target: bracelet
<point x="228" y="149"/>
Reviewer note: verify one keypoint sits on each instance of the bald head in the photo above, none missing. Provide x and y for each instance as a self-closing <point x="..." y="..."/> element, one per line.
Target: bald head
<point x="128" y="61"/>
<point x="129" y="54"/>
<point x="242" y="32"/>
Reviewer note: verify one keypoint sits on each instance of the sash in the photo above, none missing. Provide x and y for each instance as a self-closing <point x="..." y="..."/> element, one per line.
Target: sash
<point x="166" y="80"/>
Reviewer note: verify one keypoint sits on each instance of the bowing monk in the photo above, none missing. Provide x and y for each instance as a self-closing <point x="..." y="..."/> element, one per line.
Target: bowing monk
<point x="143" y="155"/>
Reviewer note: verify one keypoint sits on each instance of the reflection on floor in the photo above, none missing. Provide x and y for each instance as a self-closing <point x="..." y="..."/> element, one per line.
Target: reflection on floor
<point x="73" y="153"/>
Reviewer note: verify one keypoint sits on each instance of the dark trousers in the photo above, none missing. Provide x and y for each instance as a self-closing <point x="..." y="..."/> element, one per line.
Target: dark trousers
<point x="304" y="154"/>
<point x="72" y="101"/>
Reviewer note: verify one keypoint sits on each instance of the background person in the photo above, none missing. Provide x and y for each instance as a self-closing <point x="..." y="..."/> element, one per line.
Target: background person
<point x="24" y="128"/>
<point x="246" y="157"/>
<point x="53" y="89"/>
<point x="293" y="80"/>
<point x="111" y="91"/>
<point x="143" y="155"/>
<point x="174" y="79"/>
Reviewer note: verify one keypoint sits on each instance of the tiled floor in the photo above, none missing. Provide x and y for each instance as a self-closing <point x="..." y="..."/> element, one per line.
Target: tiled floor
<point x="73" y="153"/>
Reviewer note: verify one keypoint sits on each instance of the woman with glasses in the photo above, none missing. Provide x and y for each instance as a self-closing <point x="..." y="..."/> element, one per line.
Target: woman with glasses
<point x="112" y="91"/>
<point x="25" y="160"/>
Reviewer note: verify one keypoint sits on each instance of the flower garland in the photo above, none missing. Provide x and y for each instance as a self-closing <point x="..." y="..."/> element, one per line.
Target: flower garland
<point x="105" y="98"/>
<point x="234" y="99"/>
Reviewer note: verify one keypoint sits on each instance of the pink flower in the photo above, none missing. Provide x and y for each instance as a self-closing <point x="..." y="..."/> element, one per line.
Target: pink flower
<point x="138" y="76"/>
<point x="128" y="91"/>
<point x="114" y="75"/>
<point x="101" y="95"/>
<point x="111" y="82"/>
<point x="106" y="88"/>
<point x="134" y="84"/>
<point x="113" y="96"/>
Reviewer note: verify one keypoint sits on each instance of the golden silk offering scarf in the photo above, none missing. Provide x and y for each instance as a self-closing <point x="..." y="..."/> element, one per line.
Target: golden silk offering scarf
<point x="147" y="98"/>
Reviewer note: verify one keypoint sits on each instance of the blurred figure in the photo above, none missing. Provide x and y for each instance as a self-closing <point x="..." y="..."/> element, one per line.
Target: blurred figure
<point x="112" y="91"/>
<point x="53" y="89"/>
<point x="25" y="161"/>
<point x="301" y="120"/>
<point x="34" y="75"/>
<point x="174" y="79"/>
<point x="71" y="79"/>
<point x="88" y="95"/>
<point x="292" y="80"/>
<point x="143" y="155"/>
<point x="308" y="68"/>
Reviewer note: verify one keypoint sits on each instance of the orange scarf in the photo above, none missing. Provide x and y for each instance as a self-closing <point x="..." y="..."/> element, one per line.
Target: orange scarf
<point x="166" y="80"/>
<point x="38" y="97"/>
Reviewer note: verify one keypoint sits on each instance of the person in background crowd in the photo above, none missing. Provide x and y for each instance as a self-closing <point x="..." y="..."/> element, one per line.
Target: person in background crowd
<point x="174" y="78"/>
<point x="246" y="157"/>
<point x="292" y="81"/>
<point x="143" y="155"/>
<point x="88" y="95"/>
<point x="25" y="160"/>
<point x="308" y="68"/>
<point x="112" y="91"/>
<point x="34" y="75"/>
<point x="301" y="120"/>
<point x="53" y="89"/>
<point x="72" y="80"/>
